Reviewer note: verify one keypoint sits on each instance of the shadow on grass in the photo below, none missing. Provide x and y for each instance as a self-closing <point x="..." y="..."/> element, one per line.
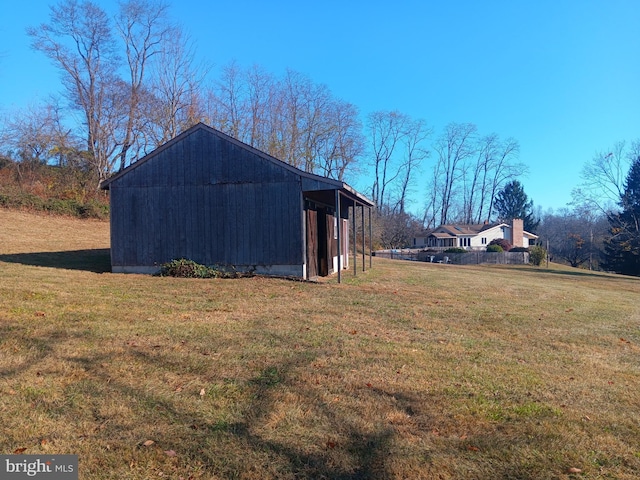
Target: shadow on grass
<point x="235" y="449"/>
<point x="248" y="443"/>
<point x="577" y="272"/>
<point x="38" y="349"/>
<point x="95" y="260"/>
<point x="363" y="452"/>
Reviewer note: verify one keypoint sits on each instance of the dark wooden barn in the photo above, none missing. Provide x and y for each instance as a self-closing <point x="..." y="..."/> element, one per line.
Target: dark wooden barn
<point x="210" y="198"/>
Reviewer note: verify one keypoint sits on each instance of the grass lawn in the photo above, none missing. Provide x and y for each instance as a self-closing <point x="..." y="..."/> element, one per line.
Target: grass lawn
<point x="408" y="371"/>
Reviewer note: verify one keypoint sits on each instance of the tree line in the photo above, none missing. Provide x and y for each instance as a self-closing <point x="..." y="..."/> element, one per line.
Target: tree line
<point x="134" y="82"/>
<point x="131" y="81"/>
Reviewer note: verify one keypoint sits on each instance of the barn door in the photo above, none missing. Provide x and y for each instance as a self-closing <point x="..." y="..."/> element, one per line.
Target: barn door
<point x="312" y="243"/>
<point x="332" y="241"/>
<point x="323" y="243"/>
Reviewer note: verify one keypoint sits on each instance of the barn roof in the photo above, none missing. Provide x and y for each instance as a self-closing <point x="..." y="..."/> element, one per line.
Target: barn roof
<point x="313" y="181"/>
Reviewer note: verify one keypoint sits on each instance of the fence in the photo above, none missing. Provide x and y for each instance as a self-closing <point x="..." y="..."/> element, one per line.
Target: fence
<point x="468" y="258"/>
<point x="400" y="254"/>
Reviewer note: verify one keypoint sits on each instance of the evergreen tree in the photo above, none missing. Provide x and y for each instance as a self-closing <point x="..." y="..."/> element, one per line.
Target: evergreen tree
<point x="622" y="248"/>
<point x="512" y="202"/>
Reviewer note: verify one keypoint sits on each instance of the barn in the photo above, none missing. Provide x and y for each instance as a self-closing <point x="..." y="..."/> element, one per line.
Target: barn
<point x="208" y="197"/>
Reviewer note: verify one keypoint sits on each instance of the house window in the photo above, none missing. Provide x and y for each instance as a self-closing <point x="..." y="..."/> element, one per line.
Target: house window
<point x="484" y="240"/>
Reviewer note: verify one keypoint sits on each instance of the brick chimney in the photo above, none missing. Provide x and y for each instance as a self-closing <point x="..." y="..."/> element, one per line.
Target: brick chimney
<point x="517" y="232"/>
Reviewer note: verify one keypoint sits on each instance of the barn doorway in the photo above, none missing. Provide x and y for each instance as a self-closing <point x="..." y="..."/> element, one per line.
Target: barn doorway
<point x="320" y="236"/>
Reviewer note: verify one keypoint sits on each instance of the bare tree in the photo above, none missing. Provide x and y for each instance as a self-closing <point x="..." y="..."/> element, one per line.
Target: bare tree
<point x="430" y="216"/>
<point x="499" y="169"/>
<point x="261" y="93"/>
<point x="291" y="118"/>
<point x="79" y="41"/>
<point x="314" y="124"/>
<point x="386" y="130"/>
<point x="230" y="97"/>
<point x="395" y="229"/>
<point x="177" y="88"/>
<point x="575" y="236"/>
<point x="37" y="139"/>
<point x="467" y="175"/>
<point x="143" y="27"/>
<point x="296" y="119"/>
<point x="323" y="133"/>
<point x="343" y="143"/>
<point x="454" y="147"/>
<point x="415" y="134"/>
<point x="602" y="179"/>
<point x="31" y="134"/>
<point x="476" y="178"/>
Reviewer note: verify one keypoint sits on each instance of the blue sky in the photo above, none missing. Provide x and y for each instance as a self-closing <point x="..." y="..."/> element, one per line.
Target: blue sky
<point x="561" y="77"/>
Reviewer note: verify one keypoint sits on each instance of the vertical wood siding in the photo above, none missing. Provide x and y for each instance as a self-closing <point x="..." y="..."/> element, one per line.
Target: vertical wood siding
<point x="209" y="200"/>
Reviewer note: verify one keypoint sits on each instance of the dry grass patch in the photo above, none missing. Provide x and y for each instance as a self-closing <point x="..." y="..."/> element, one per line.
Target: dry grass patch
<point x="408" y="371"/>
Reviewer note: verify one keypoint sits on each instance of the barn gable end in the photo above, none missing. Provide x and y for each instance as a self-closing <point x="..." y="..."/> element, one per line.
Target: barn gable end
<point x="209" y="198"/>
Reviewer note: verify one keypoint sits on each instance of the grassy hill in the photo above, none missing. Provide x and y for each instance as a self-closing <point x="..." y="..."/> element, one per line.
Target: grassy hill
<point x="410" y="370"/>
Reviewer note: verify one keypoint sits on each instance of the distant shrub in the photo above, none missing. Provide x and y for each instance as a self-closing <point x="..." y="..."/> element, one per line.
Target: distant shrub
<point x="185" y="268"/>
<point x="57" y="206"/>
<point x="494" y="248"/>
<point x="519" y="249"/>
<point x="5" y="201"/>
<point x="455" y="250"/>
<point x="62" y="207"/>
<point x="93" y="209"/>
<point x="22" y="200"/>
<point x="506" y="246"/>
<point x="537" y="255"/>
<point x="75" y="208"/>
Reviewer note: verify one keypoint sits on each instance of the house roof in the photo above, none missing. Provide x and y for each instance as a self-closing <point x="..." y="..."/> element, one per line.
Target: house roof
<point x="461" y="230"/>
<point x="465" y="229"/>
<point x="331" y="183"/>
<point x="442" y="235"/>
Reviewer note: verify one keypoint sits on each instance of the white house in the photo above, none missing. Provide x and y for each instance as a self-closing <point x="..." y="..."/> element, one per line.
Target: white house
<point x="475" y="237"/>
